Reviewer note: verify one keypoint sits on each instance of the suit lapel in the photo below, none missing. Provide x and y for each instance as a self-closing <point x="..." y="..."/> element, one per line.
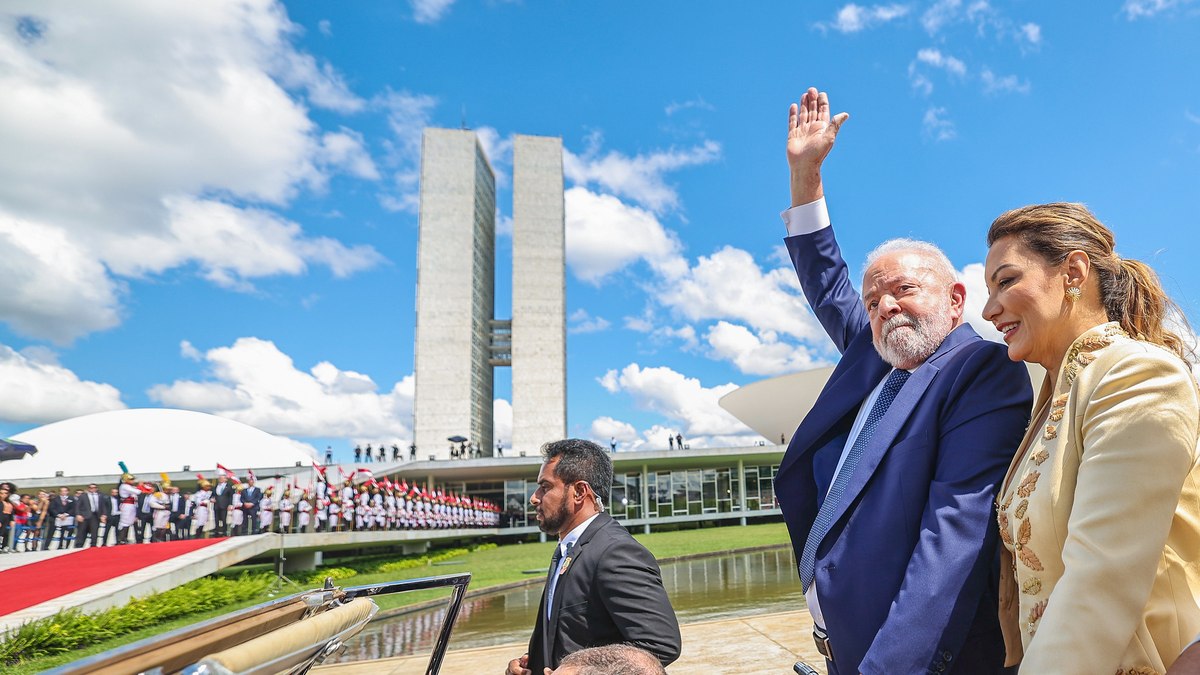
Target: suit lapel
<point x="844" y="392"/>
<point x="897" y="415"/>
<point x="575" y="553"/>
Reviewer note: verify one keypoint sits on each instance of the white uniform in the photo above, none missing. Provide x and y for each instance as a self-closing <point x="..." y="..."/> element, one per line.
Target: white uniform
<point x="265" y="512"/>
<point x="160" y="506"/>
<point x="302" y="514"/>
<point x="237" y="515"/>
<point x="285" y="514"/>
<point x="129" y="495"/>
<point x="201" y="499"/>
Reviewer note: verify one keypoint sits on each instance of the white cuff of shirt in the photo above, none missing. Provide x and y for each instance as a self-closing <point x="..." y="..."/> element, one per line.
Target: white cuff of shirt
<point x="806" y="218"/>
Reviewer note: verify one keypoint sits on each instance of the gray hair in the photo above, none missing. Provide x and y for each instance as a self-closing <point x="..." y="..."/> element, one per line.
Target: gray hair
<point x="618" y="659"/>
<point x="940" y="264"/>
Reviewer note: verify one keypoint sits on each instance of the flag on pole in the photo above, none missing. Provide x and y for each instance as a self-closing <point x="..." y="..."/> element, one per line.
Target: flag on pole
<point x="320" y="469"/>
<point x="228" y="474"/>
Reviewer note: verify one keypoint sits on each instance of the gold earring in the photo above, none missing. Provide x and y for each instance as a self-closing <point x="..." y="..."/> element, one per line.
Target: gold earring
<point x="1073" y="293"/>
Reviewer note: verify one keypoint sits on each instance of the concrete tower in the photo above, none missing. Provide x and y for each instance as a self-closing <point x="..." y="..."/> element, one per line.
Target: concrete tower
<point x="456" y="261"/>
<point x="539" y="330"/>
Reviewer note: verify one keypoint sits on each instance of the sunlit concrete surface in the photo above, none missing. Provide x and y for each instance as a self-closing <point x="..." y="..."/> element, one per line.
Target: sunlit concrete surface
<point x="761" y="644"/>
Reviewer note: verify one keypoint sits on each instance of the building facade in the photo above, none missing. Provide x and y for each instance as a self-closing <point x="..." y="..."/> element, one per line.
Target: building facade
<point x="456" y="268"/>
<point x="539" y="300"/>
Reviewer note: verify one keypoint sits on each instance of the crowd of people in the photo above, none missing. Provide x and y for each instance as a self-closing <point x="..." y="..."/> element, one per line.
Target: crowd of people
<point x="138" y="512"/>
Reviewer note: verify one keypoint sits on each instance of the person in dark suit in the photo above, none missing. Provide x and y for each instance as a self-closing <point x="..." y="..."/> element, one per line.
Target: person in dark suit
<point x="222" y="496"/>
<point x="110" y="514"/>
<point x="888" y="484"/>
<point x="60" y="517"/>
<point x="145" y="519"/>
<point x="251" y="499"/>
<point x="603" y="587"/>
<point x="178" y="506"/>
<point x="89" y="510"/>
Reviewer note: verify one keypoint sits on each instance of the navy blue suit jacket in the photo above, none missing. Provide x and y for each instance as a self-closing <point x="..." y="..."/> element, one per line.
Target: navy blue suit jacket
<point x="907" y="573"/>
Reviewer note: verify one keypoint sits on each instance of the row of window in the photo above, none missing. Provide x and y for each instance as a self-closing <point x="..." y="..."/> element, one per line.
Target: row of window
<point x="668" y="493"/>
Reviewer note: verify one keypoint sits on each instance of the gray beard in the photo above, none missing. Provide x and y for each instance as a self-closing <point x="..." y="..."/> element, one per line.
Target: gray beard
<point x="915" y="344"/>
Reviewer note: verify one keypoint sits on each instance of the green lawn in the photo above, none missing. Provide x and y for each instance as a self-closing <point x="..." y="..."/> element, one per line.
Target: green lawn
<point x="490" y="567"/>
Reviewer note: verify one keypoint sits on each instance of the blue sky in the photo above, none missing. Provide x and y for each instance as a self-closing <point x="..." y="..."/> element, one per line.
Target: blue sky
<point x="212" y="205"/>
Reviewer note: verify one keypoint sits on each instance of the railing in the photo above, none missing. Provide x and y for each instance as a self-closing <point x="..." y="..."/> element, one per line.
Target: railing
<point x="258" y="631"/>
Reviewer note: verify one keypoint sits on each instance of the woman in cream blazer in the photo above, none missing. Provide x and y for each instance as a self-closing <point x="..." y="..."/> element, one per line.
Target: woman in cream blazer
<point x="1100" y="511"/>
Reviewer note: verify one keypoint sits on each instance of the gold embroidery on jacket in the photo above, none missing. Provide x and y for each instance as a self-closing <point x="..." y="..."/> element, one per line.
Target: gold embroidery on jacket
<point x="1028" y="484"/>
<point x="1032" y="586"/>
<point x="1024" y="553"/>
<point x="1040" y="456"/>
<point x="1035" y="615"/>
<point x="1021" y="508"/>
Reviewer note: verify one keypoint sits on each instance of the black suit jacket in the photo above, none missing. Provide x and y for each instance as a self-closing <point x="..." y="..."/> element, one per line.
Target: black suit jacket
<point x="611" y="592"/>
<point x="83" y="506"/>
<point x="57" y="506"/>
<point x="225" y="498"/>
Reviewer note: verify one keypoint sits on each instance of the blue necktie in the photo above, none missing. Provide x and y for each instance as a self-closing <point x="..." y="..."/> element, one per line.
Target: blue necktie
<point x="808" y="559"/>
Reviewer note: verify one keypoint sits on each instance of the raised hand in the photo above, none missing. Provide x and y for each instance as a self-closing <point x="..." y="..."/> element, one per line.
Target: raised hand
<point x="811" y="134"/>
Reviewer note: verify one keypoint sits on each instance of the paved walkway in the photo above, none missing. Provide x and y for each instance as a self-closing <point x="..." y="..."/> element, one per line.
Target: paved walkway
<point x="767" y="644"/>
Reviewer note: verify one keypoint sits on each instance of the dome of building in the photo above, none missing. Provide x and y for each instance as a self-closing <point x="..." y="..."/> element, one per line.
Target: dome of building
<point x="149" y="441"/>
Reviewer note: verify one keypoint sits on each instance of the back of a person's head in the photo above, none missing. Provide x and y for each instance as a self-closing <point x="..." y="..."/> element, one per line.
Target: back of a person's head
<point x="611" y="660"/>
<point x="580" y="460"/>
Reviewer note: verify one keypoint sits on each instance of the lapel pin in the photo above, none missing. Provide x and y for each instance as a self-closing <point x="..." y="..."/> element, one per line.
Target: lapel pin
<point x="566" y="563"/>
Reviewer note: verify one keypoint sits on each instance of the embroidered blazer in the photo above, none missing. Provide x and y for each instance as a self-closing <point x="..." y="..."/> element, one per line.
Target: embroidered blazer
<point x="1100" y="515"/>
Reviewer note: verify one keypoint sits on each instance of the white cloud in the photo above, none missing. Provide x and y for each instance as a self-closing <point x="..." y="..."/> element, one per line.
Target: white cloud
<point x="995" y="84"/>
<point x="430" y="11"/>
<point x="188" y="351"/>
<point x="697" y="103"/>
<point x="53" y="287"/>
<point x="605" y="235"/>
<point x="1031" y="34"/>
<point x="937" y="125"/>
<point x="582" y="322"/>
<point x="639" y="178"/>
<point x="853" y="18"/>
<point x="325" y="27"/>
<point x="233" y="245"/>
<point x="344" y="149"/>
<point x="973" y="278"/>
<point x="253" y="382"/>
<point x="605" y="428"/>
<point x="940" y="14"/>
<point x="502" y="422"/>
<point x="38" y="390"/>
<point x="729" y="284"/>
<point x="407" y="114"/>
<point x="1191" y="117"/>
<point x="1139" y="9"/>
<point x="127" y="109"/>
<point x="681" y="399"/>
<point x="641" y="324"/>
<point x="686" y="335"/>
<point x="936" y="59"/>
<point x="498" y="151"/>
<point x="763" y="354"/>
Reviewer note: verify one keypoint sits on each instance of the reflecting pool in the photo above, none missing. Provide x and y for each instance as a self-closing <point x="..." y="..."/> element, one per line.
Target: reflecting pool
<point x="708" y="589"/>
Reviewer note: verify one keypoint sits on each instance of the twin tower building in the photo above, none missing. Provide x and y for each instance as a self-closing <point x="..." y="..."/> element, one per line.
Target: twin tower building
<point x="459" y="340"/>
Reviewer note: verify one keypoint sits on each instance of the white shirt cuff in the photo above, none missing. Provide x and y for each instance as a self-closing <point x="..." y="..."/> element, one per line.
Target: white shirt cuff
<point x="806" y="218"/>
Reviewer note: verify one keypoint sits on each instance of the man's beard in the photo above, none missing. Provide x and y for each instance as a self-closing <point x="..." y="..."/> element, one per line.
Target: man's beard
<point x="552" y="523"/>
<point x="917" y="342"/>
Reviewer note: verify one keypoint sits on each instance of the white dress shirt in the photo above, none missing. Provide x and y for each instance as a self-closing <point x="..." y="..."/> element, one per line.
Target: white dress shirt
<point x="564" y="543"/>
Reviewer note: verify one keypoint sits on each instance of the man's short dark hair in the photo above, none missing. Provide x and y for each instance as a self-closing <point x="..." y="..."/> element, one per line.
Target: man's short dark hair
<point x="613" y="660"/>
<point x="580" y="460"/>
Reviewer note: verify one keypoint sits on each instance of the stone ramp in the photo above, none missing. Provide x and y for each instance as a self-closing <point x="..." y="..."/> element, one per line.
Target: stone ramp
<point x="767" y="644"/>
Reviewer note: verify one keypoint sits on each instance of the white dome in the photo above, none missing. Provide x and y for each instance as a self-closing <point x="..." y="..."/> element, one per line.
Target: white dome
<point x="150" y="440"/>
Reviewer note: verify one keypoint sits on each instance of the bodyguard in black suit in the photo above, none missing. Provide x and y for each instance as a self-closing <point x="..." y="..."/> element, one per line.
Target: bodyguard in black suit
<point x="251" y="496"/>
<point x="110" y="514"/>
<point x="222" y="498"/>
<point x="602" y="587"/>
<point x="60" y="505"/>
<point x="88" y="510"/>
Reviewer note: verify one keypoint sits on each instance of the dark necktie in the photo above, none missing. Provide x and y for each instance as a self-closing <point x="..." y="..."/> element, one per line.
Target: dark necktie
<point x="808" y="559"/>
<point x="552" y="577"/>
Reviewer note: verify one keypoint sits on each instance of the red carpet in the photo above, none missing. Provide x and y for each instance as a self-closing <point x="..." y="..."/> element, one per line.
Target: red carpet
<point x="35" y="583"/>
